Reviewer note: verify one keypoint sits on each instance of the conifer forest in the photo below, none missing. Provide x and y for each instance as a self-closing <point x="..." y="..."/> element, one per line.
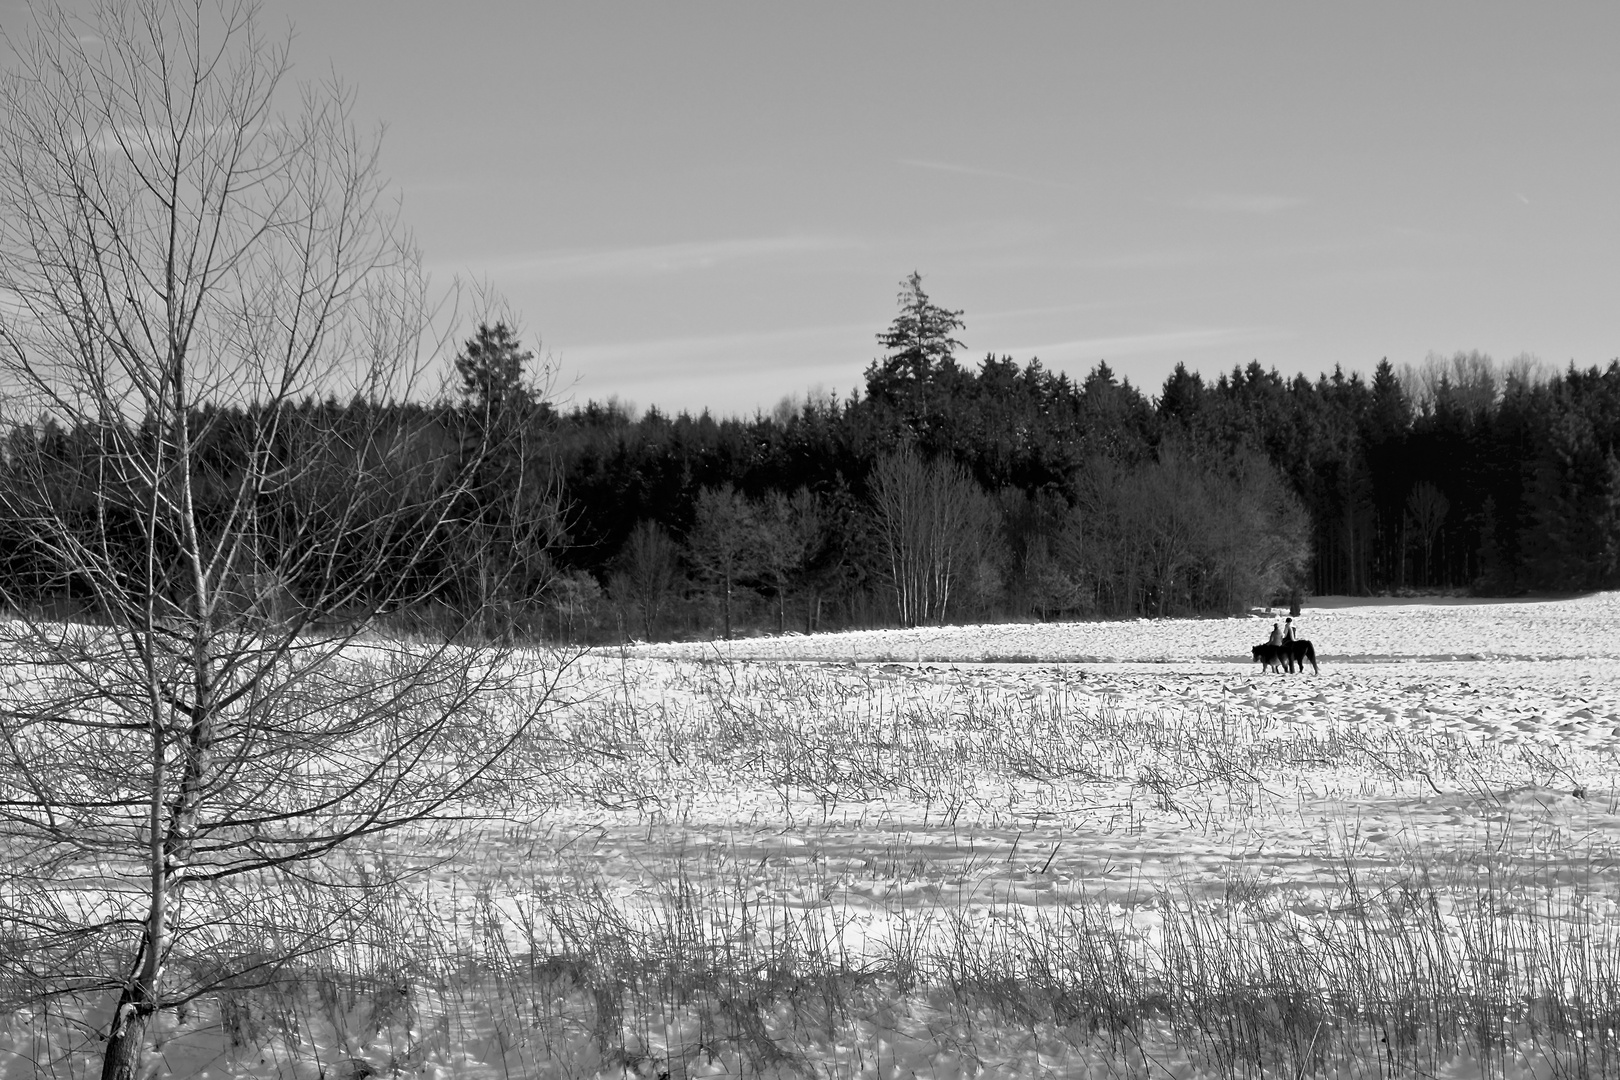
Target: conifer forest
<point x="941" y="491"/>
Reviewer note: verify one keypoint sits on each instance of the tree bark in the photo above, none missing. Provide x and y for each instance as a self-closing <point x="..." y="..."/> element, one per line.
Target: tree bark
<point x="126" y="1038"/>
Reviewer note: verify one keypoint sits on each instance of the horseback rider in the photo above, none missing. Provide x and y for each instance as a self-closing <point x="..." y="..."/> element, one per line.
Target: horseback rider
<point x="1276" y="635"/>
<point x="1288" y="634"/>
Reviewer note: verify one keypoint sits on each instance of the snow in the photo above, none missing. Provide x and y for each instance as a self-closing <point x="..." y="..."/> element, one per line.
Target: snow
<point x="1343" y="629"/>
<point x="962" y="791"/>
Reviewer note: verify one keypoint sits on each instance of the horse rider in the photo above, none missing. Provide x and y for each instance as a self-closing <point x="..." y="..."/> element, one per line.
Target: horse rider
<point x="1276" y="635"/>
<point x="1288" y="634"/>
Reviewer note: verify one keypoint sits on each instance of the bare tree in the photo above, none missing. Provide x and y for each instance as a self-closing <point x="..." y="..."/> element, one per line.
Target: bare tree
<point x="1171" y="516"/>
<point x="1426" y="507"/>
<point x="184" y="268"/>
<point x="647" y="574"/>
<point x="1218" y="534"/>
<point x="1465" y="382"/>
<point x="574" y="598"/>
<point x="790" y="531"/>
<point x="1110" y="541"/>
<point x="933" y="521"/>
<point x="1259" y="534"/>
<point x="725" y="543"/>
<point x="1058" y="568"/>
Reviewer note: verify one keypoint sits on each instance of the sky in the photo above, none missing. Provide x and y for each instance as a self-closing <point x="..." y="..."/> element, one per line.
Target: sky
<point x="712" y="205"/>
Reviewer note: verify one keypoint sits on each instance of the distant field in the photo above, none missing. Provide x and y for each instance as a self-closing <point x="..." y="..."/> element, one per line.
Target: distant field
<point x="1073" y="849"/>
<point x="1344" y="630"/>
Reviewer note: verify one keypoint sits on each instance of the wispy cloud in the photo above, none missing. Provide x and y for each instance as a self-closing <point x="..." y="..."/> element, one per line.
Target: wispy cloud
<point x="655" y="259"/>
<point x="988" y="174"/>
<point x="1229" y="203"/>
<point x="728" y="373"/>
<point x="715" y="353"/>
<point x="1163" y="341"/>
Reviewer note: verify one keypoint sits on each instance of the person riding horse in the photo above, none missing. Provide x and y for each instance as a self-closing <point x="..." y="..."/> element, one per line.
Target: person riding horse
<point x="1283" y="652"/>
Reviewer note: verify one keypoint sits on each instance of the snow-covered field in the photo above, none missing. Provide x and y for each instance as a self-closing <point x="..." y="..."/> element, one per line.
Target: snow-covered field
<point x="1345" y="631"/>
<point x="977" y="841"/>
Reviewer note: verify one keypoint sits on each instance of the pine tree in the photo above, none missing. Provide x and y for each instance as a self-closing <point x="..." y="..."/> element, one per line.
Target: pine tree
<point x="492" y="366"/>
<point x="513" y="516"/>
<point x="919" y="352"/>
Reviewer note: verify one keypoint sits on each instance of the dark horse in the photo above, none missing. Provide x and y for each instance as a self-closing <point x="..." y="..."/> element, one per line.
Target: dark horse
<point x="1290" y="655"/>
<point x="1269" y="656"/>
<point x="1297" y="652"/>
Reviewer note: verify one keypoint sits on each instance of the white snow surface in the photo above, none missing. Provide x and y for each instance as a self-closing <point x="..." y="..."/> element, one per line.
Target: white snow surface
<point x="1441" y="741"/>
<point x="1343" y="630"/>
<point x="889" y="789"/>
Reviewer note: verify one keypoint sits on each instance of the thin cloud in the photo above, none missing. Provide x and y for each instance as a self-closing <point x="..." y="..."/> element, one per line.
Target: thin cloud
<point x="1138" y="260"/>
<point x="1165" y="341"/>
<point x="712" y="353"/>
<point x="993" y="317"/>
<point x="988" y="174"/>
<point x="1227" y="203"/>
<point x="657" y="259"/>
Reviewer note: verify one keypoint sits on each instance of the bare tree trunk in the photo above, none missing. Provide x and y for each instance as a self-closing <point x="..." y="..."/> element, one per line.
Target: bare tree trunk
<point x="126" y="1039"/>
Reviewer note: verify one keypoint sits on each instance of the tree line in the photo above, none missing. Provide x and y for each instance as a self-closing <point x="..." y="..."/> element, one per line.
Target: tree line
<point x="946" y="493"/>
<point x="1009" y="491"/>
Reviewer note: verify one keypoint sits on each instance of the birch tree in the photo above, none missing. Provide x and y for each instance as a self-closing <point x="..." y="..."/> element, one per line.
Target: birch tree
<point x="932" y="520"/>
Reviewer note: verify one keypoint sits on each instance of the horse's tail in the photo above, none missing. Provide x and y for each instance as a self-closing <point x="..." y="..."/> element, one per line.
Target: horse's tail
<point x="1310" y="654"/>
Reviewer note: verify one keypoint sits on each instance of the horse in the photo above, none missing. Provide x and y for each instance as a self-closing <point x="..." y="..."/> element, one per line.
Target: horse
<point x="1287" y="656"/>
<point x="1300" y="650"/>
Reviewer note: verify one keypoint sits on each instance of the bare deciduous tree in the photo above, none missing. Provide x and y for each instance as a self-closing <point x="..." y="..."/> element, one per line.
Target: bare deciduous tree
<point x="933" y="521"/>
<point x="184" y="268"/>
<point x="790" y="531"/>
<point x="725" y="543"/>
<point x="1171" y="517"/>
<point x="1213" y="534"/>
<point x="647" y="574"/>
<point x="1258" y="536"/>
<point x="1426" y="508"/>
